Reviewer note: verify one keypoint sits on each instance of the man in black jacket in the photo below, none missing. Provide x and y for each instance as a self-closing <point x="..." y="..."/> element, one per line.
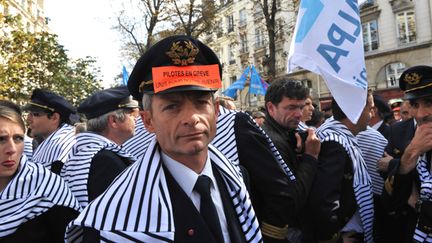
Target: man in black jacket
<point x="284" y="101"/>
<point x="408" y="182"/>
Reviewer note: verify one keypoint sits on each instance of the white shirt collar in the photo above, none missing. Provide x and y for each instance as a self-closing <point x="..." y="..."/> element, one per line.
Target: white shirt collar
<point x="184" y="176"/>
<point x="377" y="125"/>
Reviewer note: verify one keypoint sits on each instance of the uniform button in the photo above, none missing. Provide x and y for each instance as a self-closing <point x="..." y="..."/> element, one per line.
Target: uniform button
<point x="190" y="232"/>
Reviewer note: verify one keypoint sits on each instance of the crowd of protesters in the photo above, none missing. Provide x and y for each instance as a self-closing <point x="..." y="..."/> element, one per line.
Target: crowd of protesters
<point x="167" y="160"/>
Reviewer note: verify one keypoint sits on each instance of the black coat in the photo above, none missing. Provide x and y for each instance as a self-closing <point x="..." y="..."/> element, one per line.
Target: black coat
<point x="277" y="200"/>
<point x="333" y="182"/>
<point x="384" y="129"/>
<point x="105" y="167"/>
<point x="402" y="217"/>
<point x="48" y="227"/>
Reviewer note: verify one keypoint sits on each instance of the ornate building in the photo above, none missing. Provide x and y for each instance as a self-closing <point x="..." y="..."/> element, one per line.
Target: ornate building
<point x="31" y="12"/>
<point x="397" y="34"/>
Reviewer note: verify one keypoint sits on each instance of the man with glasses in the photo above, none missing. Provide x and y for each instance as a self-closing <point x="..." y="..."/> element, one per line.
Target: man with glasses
<point x="284" y="102"/>
<point x="48" y="118"/>
<point x="98" y="157"/>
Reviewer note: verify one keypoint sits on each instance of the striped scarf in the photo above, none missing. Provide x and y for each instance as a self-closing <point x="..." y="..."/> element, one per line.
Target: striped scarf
<point x="28" y="147"/>
<point x="225" y="140"/>
<point x="30" y="193"/>
<point x="372" y="145"/>
<point x="137" y="205"/>
<point x="425" y="194"/>
<point x="302" y="126"/>
<point x="76" y="170"/>
<point x="333" y="130"/>
<point x="138" y="144"/>
<point x="56" y="147"/>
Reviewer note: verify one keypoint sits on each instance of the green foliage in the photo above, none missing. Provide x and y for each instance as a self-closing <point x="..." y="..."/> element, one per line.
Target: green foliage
<point x="36" y="60"/>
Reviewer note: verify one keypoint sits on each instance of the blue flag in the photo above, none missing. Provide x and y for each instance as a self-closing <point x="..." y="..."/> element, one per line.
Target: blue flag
<point x="231" y="91"/>
<point x="125" y="76"/>
<point x="256" y="86"/>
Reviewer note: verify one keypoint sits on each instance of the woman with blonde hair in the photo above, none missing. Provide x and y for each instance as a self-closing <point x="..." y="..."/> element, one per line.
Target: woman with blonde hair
<point x="35" y="204"/>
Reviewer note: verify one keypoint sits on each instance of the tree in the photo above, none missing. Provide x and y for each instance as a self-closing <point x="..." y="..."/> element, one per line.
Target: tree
<point x="135" y="41"/>
<point x="270" y="8"/>
<point x="193" y="17"/>
<point x="37" y="60"/>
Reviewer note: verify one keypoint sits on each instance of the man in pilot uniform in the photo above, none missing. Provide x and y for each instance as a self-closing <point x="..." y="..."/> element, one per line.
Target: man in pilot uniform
<point x="182" y="189"/>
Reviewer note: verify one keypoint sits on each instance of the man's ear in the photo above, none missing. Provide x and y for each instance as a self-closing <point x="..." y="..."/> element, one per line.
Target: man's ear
<point x="55" y="117"/>
<point x="147" y="119"/>
<point x="112" y="121"/>
<point x="270" y="108"/>
<point x="216" y="107"/>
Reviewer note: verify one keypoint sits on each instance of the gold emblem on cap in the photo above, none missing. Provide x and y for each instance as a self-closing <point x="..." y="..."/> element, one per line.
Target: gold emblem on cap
<point x="413" y="78"/>
<point x="183" y="55"/>
<point x="142" y="84"/>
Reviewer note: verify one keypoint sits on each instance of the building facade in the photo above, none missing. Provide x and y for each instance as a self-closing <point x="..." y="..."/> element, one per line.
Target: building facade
<point x="397" y="34"/>
<point x="31" y="11"/>
<point x="241" y="39"/>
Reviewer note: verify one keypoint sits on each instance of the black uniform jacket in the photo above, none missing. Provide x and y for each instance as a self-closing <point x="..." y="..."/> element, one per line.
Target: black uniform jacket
<point x="400" y="135"/>
<point x="384" y="129"/>
<point x="303" y="167"/>
<point x="48" y="227"/>
<point x="189" y="224"/>
<point x="105" y="167"/>
<point x="332" y="201"/>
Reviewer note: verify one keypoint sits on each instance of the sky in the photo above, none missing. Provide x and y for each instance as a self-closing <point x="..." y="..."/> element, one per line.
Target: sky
<point x="85" y="29"/>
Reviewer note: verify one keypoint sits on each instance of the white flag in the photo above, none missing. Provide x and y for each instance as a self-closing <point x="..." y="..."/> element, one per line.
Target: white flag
<point x="328" y="41"/>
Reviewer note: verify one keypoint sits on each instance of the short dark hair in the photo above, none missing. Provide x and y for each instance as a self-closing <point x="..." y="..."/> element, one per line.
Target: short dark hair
<point x="290" y="88"/>
<point x="338" y="114"/>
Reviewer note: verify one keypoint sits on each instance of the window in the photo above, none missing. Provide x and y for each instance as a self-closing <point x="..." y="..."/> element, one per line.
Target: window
<point x="233" y="79"/>
<point x="370" y="35"/>
<point x="393" y="72"/>
<point x="258" y="12"/>
<point x="259" y="38"/>
<point x="231" y="57"/>
<point x="218" y="29"/>
<point x="242" y="17"/>
<point x="244" y="44"/>
<point x="230" y="23"/>
<point x="406" y="29"/>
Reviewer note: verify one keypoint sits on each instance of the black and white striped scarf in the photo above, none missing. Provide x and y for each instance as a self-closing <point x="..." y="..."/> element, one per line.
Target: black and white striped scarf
<point x="302" y="126"/>
<point x="138" y="144"/>
<point x="55" y="147"/>
<point x="225" y="140"/>
<point x="333" y="130"/>
<point x="137" y="205"/>
<point x="425" y="194"/>
<point x="76" y="170"/>
<point x="28" y="147"/>
<point x="31" y="192"/>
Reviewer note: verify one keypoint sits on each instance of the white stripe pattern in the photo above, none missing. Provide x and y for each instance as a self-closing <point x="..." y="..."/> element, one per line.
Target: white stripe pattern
<point x="33" y="191"/>
<point x="76" y="170"/>
<point x="137" y="205"/>
<point x="372" y="144"/>
<point x="55" y="147"/>
<point x="225" y="140"/>
<point x="28" y="147"/>
<point x="333" y="130"/>
<point x="137" y="145"/>
<point x="425" y="194"/>
<point x="302" y="126"/>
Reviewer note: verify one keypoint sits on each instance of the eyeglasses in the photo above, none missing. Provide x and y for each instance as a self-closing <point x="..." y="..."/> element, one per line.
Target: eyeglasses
<point x="37" y="114"/>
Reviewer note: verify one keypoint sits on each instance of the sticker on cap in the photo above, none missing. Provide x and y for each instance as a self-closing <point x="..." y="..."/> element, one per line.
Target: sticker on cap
<point x="173" y="76"/>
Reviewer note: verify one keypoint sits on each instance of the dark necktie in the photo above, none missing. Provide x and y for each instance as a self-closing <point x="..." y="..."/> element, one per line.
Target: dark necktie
<point x="207" y="207"/>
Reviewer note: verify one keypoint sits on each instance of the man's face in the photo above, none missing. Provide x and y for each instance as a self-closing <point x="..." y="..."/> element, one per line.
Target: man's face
<point x="184" y="123"/>
<point x="423" y="108"/>
<point x="366" y="114"/>
<point x="307" y="110"/>
<point x="126" y="128"/>
<point x="42" y="125"/>
<point x="405" y="111"/>
<point x="259" y="120"/>
<point x="287" y="113"/>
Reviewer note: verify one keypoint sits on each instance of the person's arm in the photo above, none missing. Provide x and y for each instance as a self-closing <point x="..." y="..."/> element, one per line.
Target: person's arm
<point x="57" y="218"/>
<point x="105" y="167"/>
